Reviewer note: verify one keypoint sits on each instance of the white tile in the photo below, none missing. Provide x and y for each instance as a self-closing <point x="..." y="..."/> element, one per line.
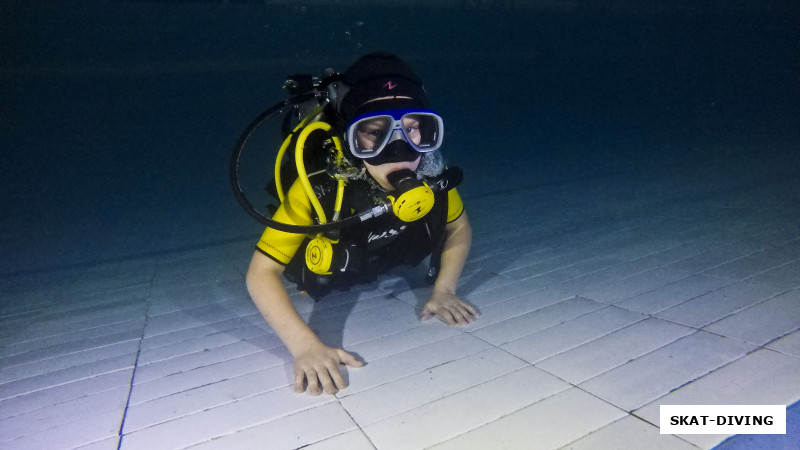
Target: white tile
<point x="230" y="326"/>
<point x="531" y="322"/>
<point x="110" y="402"/>
<point x="385" y="370"/>
<point x="57" y="324"/>
<point x="223" y="420"/>
<point x="404" y="340"/>
<point x="111" y="443"/>
<point x="22" y="343"/>
<point x="789" y="344"/>
<point x="382" y="307"/>
<point x="674" y="293"/>
<point x="496" y="257"/>
<point x="727" y="252"/>
<point x="561" y="267"/>
<point x="85" y="431"/>
<point x="672" y="250"/>
<point x="63" y="393"/>
<point x="763" y="377"/>
<point x="109" y="277"/>
<point x="618" y="290"/>
<point x="171" y="298"/>
<point x="40" y="382"/>
<point x="502" y="293"/>
<point x="602" y="277"/>
<point x="572" y="333"/>
<point x="612" y="350"/>
<point x="210" y="338"/>
<point x="205" y="357"/>
<point x="655" y="374"/>
<point x="193" y="317"/>
<point x="9" y="373"/>
<point x="397" y="316"/>
<point x="715" y="305"/>
<point x="781" y="233"/>
<point x="752" y="265"/>
<point x="454" y="415"/>
<point x="481" y="280"/>
<point x="550" y="423"/>
<point x="649" y="252"/>
<point x="629" y="433"/>
<point x="573" y="271"/>
<point x="201" y="376"/>
<point x="516" y="306"/>
<point x="294" y="431"/>
<point x="62" y="349"/>
<point x="360" y="298"/>
<point x="781" y="278"/>
<point x="214" y="394"/>
<point x="352" y="440"/>
<point x="373" y="405"/>
<point x="763" y="322"/>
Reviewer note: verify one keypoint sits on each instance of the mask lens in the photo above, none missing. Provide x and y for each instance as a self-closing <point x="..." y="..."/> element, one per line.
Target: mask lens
<point x="423" y="131"/>
<point x="370" y="135"/>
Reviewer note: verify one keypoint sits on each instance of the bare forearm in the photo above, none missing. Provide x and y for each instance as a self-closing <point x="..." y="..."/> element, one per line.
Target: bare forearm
<point x="315" y="364"/>
<point x="454" y="254"/>
<point x="272" y="300"/>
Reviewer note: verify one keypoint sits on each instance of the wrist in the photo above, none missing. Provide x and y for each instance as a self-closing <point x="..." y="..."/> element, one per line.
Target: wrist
<point x="304" y="344"/>
<point x="444" y="288"/>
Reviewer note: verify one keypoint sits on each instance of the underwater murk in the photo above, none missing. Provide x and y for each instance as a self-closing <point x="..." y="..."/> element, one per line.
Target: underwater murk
<point x="118" y="117"/>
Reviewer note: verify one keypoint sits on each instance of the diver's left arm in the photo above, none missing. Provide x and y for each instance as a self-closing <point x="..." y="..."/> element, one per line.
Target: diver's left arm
<point x="443" y="301"/>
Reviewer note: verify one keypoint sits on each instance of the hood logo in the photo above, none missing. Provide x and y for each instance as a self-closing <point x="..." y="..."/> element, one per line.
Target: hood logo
<point x="390" y="85"/>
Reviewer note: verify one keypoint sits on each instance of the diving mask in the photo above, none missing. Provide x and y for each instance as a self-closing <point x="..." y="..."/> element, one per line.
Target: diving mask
<point x="369" y="134"/>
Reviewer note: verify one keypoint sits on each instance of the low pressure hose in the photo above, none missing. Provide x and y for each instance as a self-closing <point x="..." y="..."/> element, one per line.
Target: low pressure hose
<point x="449" y="179"/>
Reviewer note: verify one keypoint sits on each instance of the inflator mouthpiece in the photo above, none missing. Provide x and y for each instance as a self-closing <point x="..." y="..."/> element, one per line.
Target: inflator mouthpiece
<point x="411" y="199"/>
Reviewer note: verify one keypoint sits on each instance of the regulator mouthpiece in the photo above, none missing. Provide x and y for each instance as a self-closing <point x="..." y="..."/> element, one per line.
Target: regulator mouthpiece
<point x="411" y="199"/>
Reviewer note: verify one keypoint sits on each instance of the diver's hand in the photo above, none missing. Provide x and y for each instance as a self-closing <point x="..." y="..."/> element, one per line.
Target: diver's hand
<point x="317" y="366"/>
<point x="451" y="309"/>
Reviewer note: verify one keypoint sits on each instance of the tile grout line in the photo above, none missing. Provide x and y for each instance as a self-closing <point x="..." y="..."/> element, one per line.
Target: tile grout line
<point x="121" y="430"/>
<point x="355" y="422"/>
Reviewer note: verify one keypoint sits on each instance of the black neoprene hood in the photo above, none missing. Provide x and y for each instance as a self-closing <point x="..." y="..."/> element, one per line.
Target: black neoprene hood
<point x="380" y="75"/>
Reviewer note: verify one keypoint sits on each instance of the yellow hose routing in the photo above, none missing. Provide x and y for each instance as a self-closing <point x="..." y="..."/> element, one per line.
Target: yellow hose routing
<point x="311" y="116"/>
<point x="319" y="252"/>
<point x="303" y="176"/>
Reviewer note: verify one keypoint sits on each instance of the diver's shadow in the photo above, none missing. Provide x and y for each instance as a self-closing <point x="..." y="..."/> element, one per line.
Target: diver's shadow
<point x="328" y="320"/>
<point x="421" y="288"/>
<point x="411" y="285"/>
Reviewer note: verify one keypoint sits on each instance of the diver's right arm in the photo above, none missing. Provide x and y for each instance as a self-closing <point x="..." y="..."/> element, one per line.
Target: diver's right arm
<point x="314" y="361"/>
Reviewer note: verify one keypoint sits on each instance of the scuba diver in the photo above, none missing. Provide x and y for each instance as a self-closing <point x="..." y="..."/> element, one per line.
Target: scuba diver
<point x="370" y="192"/>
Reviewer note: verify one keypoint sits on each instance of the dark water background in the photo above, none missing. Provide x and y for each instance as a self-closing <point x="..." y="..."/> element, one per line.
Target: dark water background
<point x="117" y="118"/>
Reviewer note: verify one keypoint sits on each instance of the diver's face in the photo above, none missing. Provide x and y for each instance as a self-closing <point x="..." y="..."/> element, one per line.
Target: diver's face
<point x="368" y="134"/>
<point x="370" y="131"/>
